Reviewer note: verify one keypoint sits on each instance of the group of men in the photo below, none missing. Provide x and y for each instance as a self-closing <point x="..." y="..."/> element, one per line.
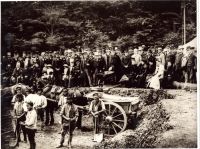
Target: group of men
<point x="153" y="68"/>
<point x="30" y="107"/>
<point x="130" y="67"/>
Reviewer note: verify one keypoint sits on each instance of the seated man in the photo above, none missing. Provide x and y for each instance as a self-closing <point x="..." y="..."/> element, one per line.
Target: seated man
<point x="17" y="74"/>
<point x="69" y="114"/>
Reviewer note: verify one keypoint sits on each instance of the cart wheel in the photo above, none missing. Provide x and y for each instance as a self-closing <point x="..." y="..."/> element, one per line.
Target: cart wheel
<point x="114" y="119"/>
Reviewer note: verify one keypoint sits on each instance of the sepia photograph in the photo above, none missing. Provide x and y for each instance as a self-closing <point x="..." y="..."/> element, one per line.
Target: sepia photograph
<point x="99" y="74"/>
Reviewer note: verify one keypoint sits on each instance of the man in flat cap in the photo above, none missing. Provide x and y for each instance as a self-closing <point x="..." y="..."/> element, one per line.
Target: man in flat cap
<point x="69" y="114"/>
<point x="97" y="106"/>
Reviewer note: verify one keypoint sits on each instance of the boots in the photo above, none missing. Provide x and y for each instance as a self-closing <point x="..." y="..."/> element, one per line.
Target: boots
<point x="69" y="141"/>
<point x="32" y="145"/>
<point x="25" y="138"/>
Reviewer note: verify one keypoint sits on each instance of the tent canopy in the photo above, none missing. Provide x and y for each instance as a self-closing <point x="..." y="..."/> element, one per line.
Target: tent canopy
<point x="192" y="43"/>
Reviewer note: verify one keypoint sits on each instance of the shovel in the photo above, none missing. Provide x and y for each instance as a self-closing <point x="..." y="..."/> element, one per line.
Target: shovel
<point x="14" y="142"/>
<point x="98" y="137"/>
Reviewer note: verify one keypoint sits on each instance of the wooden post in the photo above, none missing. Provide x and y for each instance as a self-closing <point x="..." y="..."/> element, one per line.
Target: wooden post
<point x="184" y="24"/>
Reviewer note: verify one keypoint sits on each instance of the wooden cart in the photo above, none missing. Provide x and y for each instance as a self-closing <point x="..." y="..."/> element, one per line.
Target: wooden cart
<point x="118" y="111"/>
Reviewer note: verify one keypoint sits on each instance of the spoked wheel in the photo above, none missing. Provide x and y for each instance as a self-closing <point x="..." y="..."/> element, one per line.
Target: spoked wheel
<point x="114" y="119"/>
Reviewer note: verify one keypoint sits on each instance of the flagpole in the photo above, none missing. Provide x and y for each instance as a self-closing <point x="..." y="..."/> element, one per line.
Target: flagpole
<point x="184" y="24"/>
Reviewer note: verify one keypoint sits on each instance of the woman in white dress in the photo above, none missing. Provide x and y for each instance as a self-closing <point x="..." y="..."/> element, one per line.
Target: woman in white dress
<point x="154" y="82"/>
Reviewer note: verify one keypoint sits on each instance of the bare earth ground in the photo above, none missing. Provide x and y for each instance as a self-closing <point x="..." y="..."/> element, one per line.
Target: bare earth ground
<point x="183" y="118"/>
<point x="50" y="137"/>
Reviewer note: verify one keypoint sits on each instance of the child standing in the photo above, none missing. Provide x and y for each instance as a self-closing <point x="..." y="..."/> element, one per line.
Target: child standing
<point x="19" y="113"/>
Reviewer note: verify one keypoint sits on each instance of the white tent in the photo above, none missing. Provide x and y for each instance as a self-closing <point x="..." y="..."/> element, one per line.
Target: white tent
<point x="192" y="43"/>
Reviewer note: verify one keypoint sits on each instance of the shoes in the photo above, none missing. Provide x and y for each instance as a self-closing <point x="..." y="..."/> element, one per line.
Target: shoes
<point x="17" y="145"/>
<point x="59" y="146"/>
<point x="19" y="140"/>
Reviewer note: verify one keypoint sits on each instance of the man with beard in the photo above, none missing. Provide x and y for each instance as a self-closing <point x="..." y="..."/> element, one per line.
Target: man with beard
<point x="17" y="74"/>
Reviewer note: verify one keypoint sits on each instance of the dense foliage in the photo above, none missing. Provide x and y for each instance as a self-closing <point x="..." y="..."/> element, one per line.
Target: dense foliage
<point x="57" y="25"/>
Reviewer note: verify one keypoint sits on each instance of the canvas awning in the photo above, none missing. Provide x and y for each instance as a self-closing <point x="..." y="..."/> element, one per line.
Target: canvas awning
<point x="192" y="43"/>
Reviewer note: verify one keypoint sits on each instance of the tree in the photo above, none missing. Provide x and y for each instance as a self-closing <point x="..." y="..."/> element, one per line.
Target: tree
<point x="71" y="24"/>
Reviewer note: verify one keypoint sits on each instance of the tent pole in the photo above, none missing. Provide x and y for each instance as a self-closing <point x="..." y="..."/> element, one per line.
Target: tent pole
<point x="184" y="24"/>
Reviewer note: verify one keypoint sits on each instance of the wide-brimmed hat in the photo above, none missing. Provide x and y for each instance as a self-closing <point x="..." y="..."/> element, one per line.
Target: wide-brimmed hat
<point x="18" y="88"/>
<point x="140" y="48"/>
<point x="97" y="53"/>
<point x="65" y="90"/>
<point x="40" y="89"/>
<point x="65" y="65"/>
<point x="49" y="65"/>
<point x="69" y="51"/>
<point x="8" y="53"/>
<point x="180" y="47"/>
<point x="96" y="95"/>
<point x="27" y="89"/>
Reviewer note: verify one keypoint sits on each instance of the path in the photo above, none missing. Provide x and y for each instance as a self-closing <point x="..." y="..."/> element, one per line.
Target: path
<point x="183" y="118"/>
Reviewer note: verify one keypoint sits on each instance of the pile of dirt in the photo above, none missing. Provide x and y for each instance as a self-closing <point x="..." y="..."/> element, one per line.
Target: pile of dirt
<point x="153" y="122"/>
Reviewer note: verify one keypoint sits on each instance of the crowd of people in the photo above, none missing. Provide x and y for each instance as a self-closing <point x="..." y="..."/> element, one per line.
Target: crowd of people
<point x="133" y="67"/>
<point x="153" y="68"/>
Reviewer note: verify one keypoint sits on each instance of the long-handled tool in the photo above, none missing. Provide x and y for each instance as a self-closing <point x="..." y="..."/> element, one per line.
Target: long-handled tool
<point x="98" y="137"/>
<point x="14" y="142"/>
<point x="15" y="129"/>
